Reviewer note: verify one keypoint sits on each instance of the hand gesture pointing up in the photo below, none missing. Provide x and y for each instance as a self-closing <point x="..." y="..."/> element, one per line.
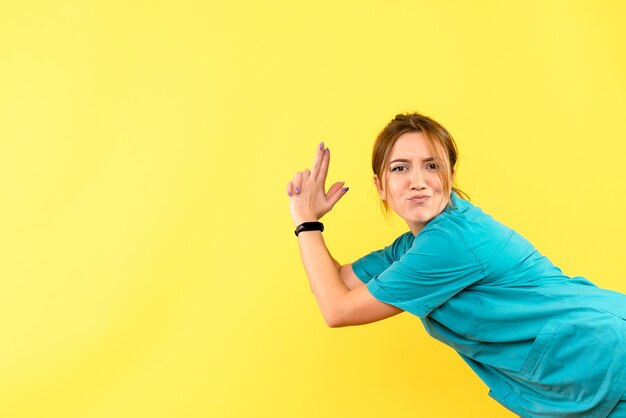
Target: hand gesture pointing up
<point x="308" y="199"/>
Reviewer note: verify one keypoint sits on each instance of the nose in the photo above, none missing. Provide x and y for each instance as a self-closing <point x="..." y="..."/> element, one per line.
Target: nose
<point x="418" y="181"/>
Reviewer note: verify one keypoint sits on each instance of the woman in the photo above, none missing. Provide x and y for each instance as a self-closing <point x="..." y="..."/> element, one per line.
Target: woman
<point x="546" y="344"/>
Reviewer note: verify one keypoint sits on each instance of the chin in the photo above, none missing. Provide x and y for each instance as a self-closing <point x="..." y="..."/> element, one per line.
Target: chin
<point x="417" y="220"/>
<point x="421" y="217"/>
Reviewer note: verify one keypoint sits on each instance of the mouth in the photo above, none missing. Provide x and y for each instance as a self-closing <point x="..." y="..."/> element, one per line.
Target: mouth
<point x="419" y="198"/>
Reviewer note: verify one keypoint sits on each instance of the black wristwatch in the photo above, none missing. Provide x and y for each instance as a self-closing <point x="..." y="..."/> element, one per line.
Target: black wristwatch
<point x="309" y="226"/>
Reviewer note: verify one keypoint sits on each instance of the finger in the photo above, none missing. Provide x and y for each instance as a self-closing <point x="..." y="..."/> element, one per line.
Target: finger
<point x="324" y="166"/>
<point x="297" y="183"/>
<point x="333" y="189"/>
<point x="338" y="193"/>
<point x="306" y="174"/>
<point x="290" y="189"/>
<point x="319" y="155"/>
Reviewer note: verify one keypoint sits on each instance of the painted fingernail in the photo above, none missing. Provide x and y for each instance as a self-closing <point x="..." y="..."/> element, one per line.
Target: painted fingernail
<point x="290" y="194"/>
<point x="297" y="190"/>
<point x="321" y="146"/>
<point x="326" y="151"/>
<point x="345" y="189"/>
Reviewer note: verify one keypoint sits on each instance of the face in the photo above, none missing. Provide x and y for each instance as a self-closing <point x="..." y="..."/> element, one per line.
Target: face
<point x="411" y="184"/>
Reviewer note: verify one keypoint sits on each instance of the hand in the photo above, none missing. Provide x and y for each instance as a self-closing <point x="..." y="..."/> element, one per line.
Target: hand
<point x="308" y="200"/>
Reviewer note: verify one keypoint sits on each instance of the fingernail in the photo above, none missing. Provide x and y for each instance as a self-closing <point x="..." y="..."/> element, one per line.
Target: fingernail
<point x="321" y="145"/>
<point x="326" y="151"/>
<point x="290" y="194"/>
<point x="345" y="189"/>
<point x="297" y="190"/>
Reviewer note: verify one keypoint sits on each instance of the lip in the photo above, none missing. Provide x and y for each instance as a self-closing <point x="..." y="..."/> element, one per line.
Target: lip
<point x="419" y="198"/>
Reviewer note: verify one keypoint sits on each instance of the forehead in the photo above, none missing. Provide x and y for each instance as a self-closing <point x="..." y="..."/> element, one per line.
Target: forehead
<point x="411" y="145"/>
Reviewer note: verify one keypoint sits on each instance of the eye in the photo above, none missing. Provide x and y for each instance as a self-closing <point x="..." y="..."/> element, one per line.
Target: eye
<point x="432" y="166"/>
<point x="399" y="168"/>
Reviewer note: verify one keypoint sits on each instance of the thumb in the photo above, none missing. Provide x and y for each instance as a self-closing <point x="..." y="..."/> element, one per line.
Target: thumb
<point x="335" y="193"/>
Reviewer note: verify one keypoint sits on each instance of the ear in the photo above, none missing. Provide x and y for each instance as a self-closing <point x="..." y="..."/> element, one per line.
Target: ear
<point x="379" y="187"/>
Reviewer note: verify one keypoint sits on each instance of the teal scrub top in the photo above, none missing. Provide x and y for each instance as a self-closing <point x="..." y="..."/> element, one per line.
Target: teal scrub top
<point x="545" y="344"/>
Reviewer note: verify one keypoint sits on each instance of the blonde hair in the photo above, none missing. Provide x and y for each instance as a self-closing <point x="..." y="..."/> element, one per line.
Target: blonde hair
<point x="439" y="141"/>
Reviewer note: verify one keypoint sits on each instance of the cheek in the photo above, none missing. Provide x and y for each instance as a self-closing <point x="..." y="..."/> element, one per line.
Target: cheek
<point x="396" y="187"/>
<point x="435" y="182"/>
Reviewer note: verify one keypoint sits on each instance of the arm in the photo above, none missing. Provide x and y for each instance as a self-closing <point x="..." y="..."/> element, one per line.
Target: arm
<point x="347" y="275"/>
<point x="339" y="304"/>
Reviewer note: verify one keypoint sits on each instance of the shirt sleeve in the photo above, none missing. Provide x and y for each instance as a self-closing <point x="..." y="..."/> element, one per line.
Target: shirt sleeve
<point x="438" y="265"/>
<point x="373" y="264"/>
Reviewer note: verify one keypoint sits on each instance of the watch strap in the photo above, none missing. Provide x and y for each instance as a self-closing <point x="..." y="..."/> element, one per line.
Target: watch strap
<point x="309" y="226"/>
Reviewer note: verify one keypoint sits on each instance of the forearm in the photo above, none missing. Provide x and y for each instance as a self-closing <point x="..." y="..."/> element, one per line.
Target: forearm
<point x="323" y="273"/>
<point x="330" y="282"/>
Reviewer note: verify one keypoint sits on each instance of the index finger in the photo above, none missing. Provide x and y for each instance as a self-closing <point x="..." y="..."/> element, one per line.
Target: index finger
<point x="319" y="155"/>
<point x="324" y="165"/>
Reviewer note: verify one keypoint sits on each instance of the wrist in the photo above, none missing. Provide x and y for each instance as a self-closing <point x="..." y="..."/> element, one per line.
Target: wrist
<point x="309" y="227"/>
<point x="302" y="219"/>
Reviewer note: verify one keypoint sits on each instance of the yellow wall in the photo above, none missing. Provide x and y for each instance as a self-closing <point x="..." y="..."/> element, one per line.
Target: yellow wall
<point x="148" y="266"/>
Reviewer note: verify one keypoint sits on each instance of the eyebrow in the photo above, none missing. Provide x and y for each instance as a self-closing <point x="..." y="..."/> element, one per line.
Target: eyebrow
<point x="404" y="160"/>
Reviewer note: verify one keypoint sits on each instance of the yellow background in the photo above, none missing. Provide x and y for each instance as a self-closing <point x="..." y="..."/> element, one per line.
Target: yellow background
<point x="148" y="266"/>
